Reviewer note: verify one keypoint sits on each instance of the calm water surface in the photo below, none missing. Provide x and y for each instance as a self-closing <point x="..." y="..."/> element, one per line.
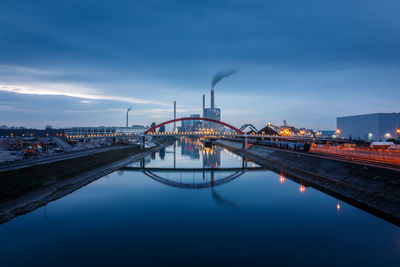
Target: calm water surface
<point x="183" y="217"/>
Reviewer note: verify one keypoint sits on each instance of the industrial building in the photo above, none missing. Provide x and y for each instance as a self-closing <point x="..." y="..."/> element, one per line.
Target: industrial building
<point x="190" y="126"/>
<point x="211" y="113"/>
<point x="102" y="130"/>
<point x="369" y="127"/>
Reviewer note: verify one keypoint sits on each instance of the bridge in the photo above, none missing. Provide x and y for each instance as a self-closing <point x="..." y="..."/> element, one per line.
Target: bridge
<point x="105" y="133"/>
<point x="235" y="133"/>
<point x="152" y="129"/>
<point x="152" y="132"/>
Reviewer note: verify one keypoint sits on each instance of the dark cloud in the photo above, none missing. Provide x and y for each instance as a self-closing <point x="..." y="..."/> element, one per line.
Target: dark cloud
<point x="119" y="32"/>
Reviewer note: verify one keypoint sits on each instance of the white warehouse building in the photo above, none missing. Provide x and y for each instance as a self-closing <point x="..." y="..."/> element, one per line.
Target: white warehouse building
<point x="105" y="131"/>
<point x="369" y="127"/>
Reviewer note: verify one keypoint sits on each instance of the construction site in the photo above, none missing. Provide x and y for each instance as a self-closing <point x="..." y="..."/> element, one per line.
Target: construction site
<point x="19" y="148"/>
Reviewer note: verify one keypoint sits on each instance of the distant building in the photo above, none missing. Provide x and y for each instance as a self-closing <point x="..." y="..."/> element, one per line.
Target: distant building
<point x="214" y="114"/>
<point x="369" y="127"/>
<point x="162" y="129"/>
<point x="327" y="133"/>
<point x="267" y="130"/>
<point x="193" y="125"/>
<point x="103" y="130"/>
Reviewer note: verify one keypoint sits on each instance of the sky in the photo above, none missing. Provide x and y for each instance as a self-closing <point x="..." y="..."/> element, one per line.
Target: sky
<point x="84" y="63"/>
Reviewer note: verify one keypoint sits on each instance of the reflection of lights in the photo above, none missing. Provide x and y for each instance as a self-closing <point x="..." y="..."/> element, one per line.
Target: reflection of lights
<point x="282" y="179"/>
<point x="302" y="188"/>
<point x="338" y="206"/>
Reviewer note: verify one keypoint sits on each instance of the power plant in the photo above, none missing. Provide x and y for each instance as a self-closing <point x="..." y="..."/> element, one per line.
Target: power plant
<point x="211" y="113"/>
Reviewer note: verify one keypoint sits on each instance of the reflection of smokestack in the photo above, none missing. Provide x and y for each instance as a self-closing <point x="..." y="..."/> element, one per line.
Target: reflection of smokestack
<point x="204" y="104"/>
<point x="212" y="99"/>
<point x="174" y="116"/>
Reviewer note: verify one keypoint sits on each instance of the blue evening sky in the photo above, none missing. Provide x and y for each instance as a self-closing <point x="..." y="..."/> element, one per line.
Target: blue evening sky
<point x="77" y="63"/>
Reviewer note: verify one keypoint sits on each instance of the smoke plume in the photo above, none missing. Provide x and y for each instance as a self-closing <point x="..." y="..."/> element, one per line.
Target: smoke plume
<point x="129" y="109"/>
<point x="220" y="75"/>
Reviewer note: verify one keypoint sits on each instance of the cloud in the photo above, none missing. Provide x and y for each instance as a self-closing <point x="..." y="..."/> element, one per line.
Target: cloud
<point x="25" y="70"/>
<point x="72" y="91"/>
<point x="6" y="107"/>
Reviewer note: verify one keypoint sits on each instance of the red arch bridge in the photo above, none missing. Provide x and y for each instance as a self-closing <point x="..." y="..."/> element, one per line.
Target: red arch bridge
<point x="235" y="133"/>
<point x="204" y="132"/>
<point x="236" y="130"/>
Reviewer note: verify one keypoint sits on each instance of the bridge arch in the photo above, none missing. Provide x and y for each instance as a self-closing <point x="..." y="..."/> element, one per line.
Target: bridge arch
<point x="193" y="119"/>
<point x="188" y="185"/>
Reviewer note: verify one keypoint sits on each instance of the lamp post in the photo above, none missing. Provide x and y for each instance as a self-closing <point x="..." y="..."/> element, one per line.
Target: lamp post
<point x="127" y="111"/>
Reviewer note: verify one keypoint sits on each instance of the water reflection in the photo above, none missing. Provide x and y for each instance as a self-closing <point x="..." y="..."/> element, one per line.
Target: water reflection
<point x="195" y="147"/>
<point x="220" y="200"/>
<point x="302" y="189"/>
<point x="281" y="178"/>
<point x="338" y="206"/>
<point x="210" y="174"/>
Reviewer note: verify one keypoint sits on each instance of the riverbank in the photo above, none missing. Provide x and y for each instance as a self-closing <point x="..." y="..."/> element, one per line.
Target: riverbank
<point x="373" y="189"/>
<point x="25" y="189"/>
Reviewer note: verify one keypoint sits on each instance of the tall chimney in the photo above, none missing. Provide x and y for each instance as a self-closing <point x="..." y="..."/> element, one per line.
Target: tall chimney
<point x="212" y="99"/>
<point x="204" y="104"/>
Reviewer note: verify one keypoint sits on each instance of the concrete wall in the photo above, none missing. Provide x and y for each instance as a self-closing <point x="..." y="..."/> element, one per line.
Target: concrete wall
<point x="369" y="127"/>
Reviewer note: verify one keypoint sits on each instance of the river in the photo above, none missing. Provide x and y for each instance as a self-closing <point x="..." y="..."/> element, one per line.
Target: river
<point x="175" y="212"/>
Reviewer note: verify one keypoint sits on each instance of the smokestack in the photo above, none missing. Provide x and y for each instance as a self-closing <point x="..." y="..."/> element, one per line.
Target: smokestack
<point x="127" y="111"/>
<point x="204" y="104"/>
<point x="212" y="99"/>
<point x="174" y="116"/>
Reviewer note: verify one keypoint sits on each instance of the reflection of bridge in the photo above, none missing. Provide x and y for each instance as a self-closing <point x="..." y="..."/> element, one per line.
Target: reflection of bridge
<point x="190" y="169"/>
<point x="194" y="185"/>
<point x="237" y="172"/>
<point x="208" y="175"/>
